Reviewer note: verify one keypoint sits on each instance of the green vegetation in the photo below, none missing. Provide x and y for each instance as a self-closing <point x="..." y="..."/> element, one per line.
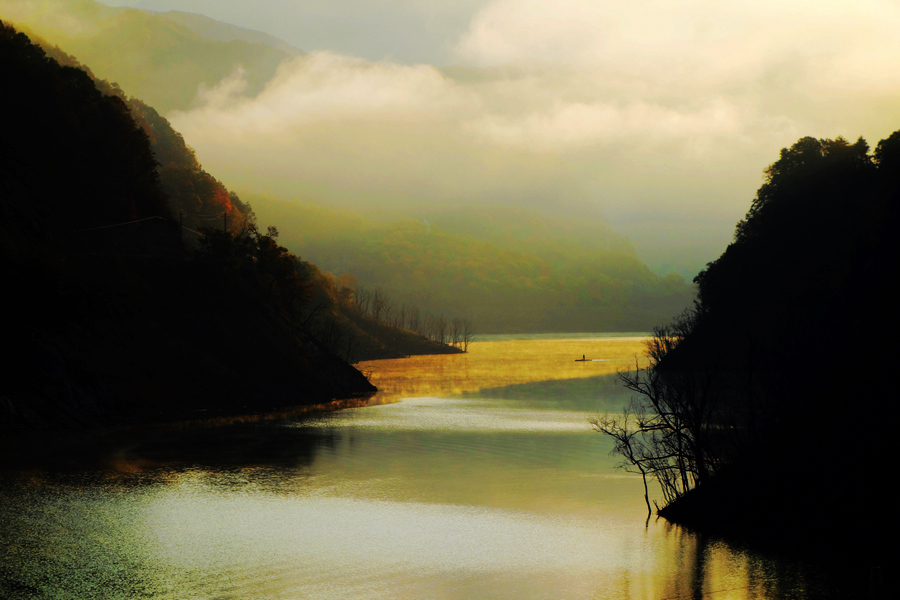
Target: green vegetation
<point x="744" y="416"/>
<point x="508" y="268"/>
<point x="514" y="270"/>
<point x="196" y="198"/>
<point x="203" y="204"/>
<point x="139" y="50"/>
<point x="115" y="315"/>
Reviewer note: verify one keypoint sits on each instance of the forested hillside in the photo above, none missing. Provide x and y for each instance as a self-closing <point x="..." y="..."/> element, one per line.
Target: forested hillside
<point x="194" y="197"/>
<point x="139" y="50"/>
<point x="117" y="314"/>
<point x="758" y="416"/>
<point x="509" y="268"/>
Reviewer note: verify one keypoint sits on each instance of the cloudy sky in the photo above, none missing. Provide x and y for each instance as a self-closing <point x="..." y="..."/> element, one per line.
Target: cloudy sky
<point x="660" y="115"/>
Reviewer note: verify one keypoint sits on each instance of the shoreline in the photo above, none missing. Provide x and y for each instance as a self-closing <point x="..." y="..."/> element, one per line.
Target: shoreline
<point x="127" y="447"/>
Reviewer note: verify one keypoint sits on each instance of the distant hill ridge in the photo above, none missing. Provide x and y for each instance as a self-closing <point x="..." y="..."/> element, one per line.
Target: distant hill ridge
<point x="119" y="317"/>
<point x="510" y="268"/>
<point x="140" y="49"/>
<point x="225" y="32"/>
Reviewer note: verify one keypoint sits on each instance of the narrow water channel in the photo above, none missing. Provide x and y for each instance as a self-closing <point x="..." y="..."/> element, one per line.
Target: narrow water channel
<point x="468" y="476"/>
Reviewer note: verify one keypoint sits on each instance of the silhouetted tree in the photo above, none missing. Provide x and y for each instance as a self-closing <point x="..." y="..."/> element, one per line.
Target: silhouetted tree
<point x="673" y="415"/>
<point x="756" y="361"/>
<point x="257" y="260"/>
<point x="629" y="442"/>
<point x="413" y="318"/>
<point x="466" y="333"/>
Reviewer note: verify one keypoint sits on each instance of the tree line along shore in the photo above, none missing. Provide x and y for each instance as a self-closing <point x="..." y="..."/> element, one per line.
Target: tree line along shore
<point x="138" y="287"/>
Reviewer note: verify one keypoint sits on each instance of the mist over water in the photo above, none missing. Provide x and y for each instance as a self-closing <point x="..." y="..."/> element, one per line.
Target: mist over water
<point x="466" y="476"/>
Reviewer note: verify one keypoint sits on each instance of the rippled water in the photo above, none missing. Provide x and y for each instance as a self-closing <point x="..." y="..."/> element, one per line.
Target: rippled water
<point x="485" y="481"/>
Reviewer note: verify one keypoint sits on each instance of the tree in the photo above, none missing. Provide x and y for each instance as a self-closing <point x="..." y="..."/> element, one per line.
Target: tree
<point x="887" y="152"/>
<point x="810" y="168"/>
<point x="722" y="378"/>
<point x="362" y="298"/>
<point x="671" y="430"/>
<point x="455" y="331"/>
<point x="259" y="261"/>
<point x="628" y="444"/>
<point x="466" y="333"/>
<point x="380" y="303"/>
<point x="440" y="329"/>
<point x="413" y="318"/>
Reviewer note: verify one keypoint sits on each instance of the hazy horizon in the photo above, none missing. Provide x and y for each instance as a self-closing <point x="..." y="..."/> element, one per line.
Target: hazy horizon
<point x="658" y="116"/>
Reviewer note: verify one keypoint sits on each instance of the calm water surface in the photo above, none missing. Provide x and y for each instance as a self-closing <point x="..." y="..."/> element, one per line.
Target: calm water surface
<point x="468" y="476"/>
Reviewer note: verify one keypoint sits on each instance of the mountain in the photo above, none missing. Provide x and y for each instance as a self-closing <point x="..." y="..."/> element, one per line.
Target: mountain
<point x="197" y="198"/>
<point x="509" y="269"/>
<point x="163" y="58"/>
<point x="223" y="32"/>
<point x="201" y="203"/>
<point x="767" y="403"/>
<point x="113" y="318"/>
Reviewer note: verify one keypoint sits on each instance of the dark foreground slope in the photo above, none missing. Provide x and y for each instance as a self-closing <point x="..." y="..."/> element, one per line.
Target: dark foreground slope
<point x="108" y="318"/>
<point x="202" y="202"/>
<point x="795" y="339"/>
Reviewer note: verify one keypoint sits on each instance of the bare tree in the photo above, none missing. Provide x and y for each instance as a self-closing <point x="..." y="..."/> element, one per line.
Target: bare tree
<point x="672" y="430"/>
<point x="428" y="327"/>
<point x="363" y="299"/>
<point x="440" y="329"/>
<point x="388" y="314"/>
<point x="466" y="334"/>
<point x="455" y="331"/>
<point x="379" y="304"/>
<point x="628" y="444"/>
<point x="413" y="318"/>
<point x="399" y="321"/>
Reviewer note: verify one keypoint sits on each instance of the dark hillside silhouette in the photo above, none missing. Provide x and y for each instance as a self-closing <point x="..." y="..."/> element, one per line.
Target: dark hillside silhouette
<point x="196" y="199"/>
<point x="756" y="402"/>
<point x="110" y="318"/>
<point x="201" y="203"/>
<point x="140" y="49"/>
<point x="69" y="144"/>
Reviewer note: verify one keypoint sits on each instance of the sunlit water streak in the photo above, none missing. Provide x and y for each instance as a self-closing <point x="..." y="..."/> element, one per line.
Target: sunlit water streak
<point x="501" y="493"/>
<point x="492" y="364"/>
<point x="445" y="414"/>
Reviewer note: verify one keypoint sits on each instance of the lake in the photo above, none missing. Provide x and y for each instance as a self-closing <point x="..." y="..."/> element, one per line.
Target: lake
<point x="467" y="476"/>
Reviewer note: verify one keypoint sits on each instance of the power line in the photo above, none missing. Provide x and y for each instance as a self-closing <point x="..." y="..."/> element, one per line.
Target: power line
<point x="119" y="224"/>
<point x="210" y="218"/>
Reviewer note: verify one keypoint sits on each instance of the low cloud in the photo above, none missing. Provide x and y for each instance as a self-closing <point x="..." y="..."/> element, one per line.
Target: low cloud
<point x="322" y="88"/>
<point x="697" y="41"/>
<point x="638" y="109"/>
<point x="416" y="133"/>
<point x="572" y="126"/>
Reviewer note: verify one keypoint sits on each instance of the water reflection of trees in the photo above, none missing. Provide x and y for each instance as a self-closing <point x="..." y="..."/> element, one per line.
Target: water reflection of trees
<point x="708" y="566"/>
<point x="219" y="445"/>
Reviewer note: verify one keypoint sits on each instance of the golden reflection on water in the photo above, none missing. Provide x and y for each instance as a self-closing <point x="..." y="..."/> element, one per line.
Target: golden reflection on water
<point x="447" y="513"/>
<point x="500" y="363"/>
